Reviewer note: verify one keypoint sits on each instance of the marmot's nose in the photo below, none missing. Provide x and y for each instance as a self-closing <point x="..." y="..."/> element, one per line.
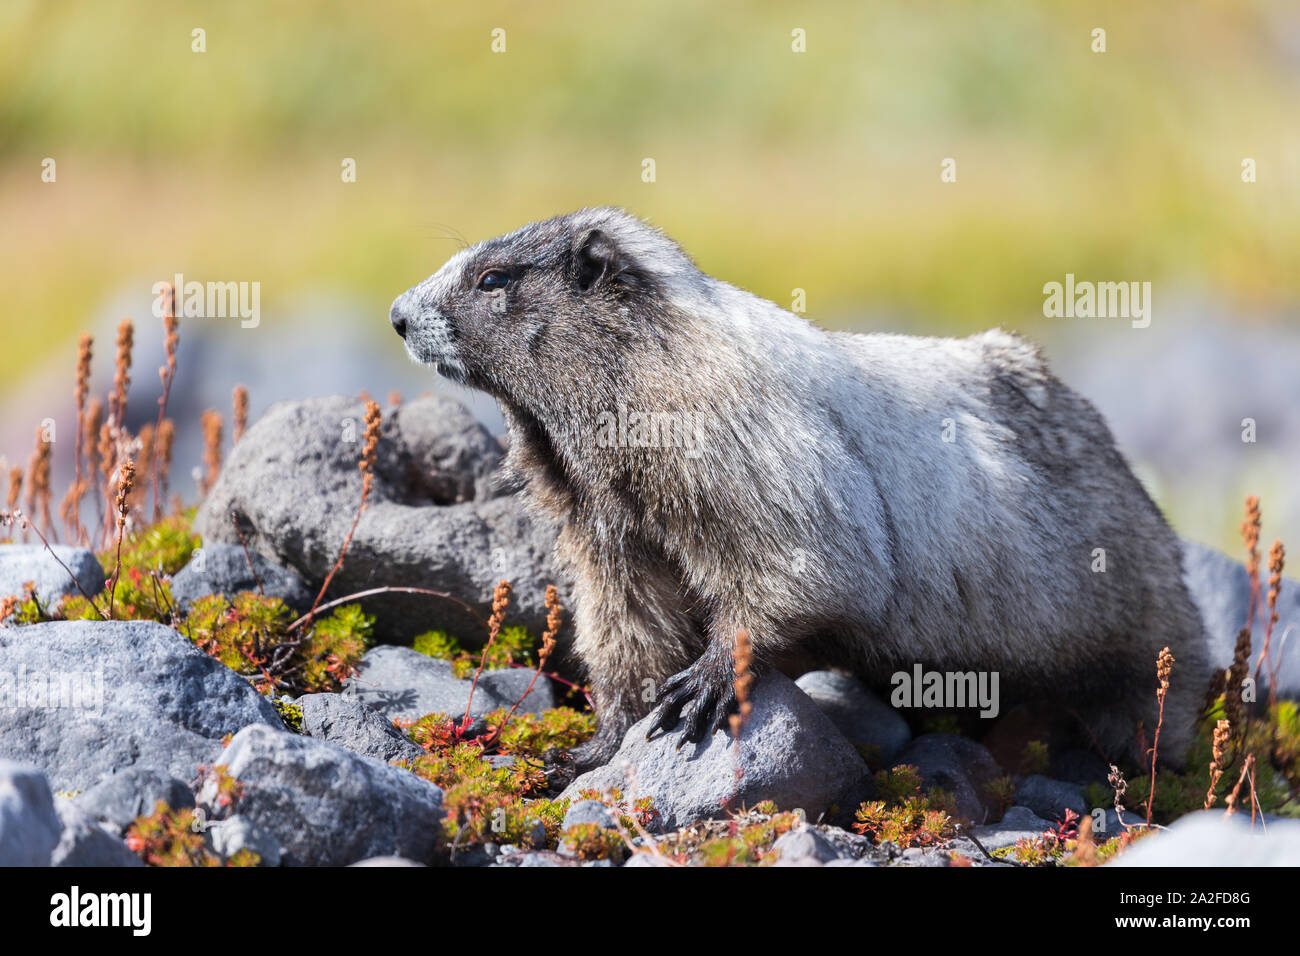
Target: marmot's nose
<point x="397" y="315"/>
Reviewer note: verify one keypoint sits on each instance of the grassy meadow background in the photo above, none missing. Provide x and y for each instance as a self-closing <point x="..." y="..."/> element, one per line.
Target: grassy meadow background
<point x="775" y="170"/>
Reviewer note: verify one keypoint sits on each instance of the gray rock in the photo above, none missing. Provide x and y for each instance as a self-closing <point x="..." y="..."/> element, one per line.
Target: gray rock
<point x="327" y="806"/>
<point x="790" y="753"/>
<point x="29" y="824"/>
<point x="347" y="722"/>
<point x="647" y="859"/>
<point x="861" y="716"/>
<point x="228" y="837"/>
<point x="224" y="569"/>
<point x="400" y="682"/>
<point x="21" y="563"/>
<point x="1221" y="588"/>
<point x="87" y="842"/>
<point x="122" y="795"/>
<point x="957" y="765"/>
<point x="104" y="695"/>
<point x="387" y="861"/>
<point x="1019" y="823"/>
<point x="1049" y="798"/>
<point x="589" y="811"/>
<point x="850" y="844"/>
<point x="510" y="684"/>
<point x="1208" y="838"/>
<point x="433" y="519"/>
<point x="539" y="858"/>
<point x="804" y="847"/>
<point x="860" y="861"/>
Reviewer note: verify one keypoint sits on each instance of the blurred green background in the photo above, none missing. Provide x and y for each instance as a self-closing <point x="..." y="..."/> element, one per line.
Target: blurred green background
<point x="775" y="170"/>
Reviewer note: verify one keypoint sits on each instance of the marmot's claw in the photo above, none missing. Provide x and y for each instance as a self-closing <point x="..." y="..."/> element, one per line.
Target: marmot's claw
<point x="704" y="704"/>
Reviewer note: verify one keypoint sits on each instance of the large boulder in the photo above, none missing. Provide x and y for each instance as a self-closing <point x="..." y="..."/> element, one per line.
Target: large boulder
<point x="790" y="753"/>
<point x="434" y="520"/>
<point x="88" y="697"/>
<point x="326" y="806"/>
<point x="1221" y="589"/>
<point x="21" y="564"/>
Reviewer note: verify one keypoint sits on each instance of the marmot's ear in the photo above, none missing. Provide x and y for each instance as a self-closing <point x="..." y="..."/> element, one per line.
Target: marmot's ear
<point x="596" y="259"/>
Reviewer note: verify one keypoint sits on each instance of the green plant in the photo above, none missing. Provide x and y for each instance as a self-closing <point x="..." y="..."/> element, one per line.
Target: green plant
<point x="249" y="634"/>
<point x="591" y="841"/>
<point x="905" y="816"/>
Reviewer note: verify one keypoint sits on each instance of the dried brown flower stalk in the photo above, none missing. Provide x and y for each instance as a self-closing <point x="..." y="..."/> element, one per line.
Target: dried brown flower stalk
<point x="743" y="655"/>
<point x="241" y="412"/>
<point x="1117" y="783"/>
<point x="500" y="601"/>
<point x="1250" y="535"/>
<point x="1218" y="759"/>
<point x="212" y="428"/>
<point x="121" y="373"/>
<point x="1231" y="803"/>
<point x="72" y="502"/>
<point x="15" y="488"/>
<point x="554" y="618"/>
<point x="166" y="374"/>
<point x="369" y="455"/>
<point x="1164" y="667"/>
<point x="125" y="482"/>
<point x="1276" y="564"/>
<point x="38" y="481"/>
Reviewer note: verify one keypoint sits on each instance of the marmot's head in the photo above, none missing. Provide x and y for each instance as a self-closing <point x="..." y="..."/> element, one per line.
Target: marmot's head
<point x="560" y="302"/>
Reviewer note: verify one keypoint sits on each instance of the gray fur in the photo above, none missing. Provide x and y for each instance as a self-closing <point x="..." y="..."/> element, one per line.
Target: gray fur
<point x="817" y="504"/>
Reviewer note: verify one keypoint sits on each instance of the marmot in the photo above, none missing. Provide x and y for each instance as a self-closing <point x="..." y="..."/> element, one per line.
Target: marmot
<point x="867" y="502"/>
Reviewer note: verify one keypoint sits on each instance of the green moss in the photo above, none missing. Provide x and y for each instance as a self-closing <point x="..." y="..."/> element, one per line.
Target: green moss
<point x="290" y="713"/>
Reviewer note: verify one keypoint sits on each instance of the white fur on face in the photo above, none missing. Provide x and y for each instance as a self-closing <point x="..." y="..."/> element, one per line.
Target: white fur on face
<point x="428" y="332"/>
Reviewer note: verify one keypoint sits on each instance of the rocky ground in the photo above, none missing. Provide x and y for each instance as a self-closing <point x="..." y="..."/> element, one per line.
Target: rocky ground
<point x="137" y="740"/>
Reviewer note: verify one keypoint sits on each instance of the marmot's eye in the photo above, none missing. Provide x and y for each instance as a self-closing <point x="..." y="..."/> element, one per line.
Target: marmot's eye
<point x="492" y="280"/>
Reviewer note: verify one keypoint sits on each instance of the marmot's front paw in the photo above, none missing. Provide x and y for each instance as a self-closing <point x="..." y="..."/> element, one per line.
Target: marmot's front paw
<point x="704" y="694"/>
